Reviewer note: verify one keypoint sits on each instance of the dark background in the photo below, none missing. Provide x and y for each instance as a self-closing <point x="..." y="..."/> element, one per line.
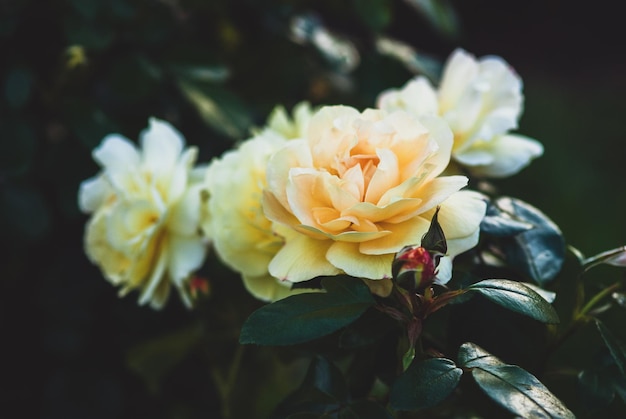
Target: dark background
<point x="65" y="334"/>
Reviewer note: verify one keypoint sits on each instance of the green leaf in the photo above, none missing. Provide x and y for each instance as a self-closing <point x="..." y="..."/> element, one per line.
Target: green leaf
<point x="471" y="355"/>
<point x="18" y="86"/>
<point x="439" y="13"/>
<point x="17" y="151"/>
<point x="375" y="13"/>
<point x="304" y="317"/>
<point x="413" y="60"/>
<point x="366" y="409"/>
<point x="201" y="73"/>
<point x="614" y="257"/>
<point x="596" y="388"/>
<point x="323" y="389"/>
<point x="516" y="297"/>
<point x="500" y="224"/>
<point x="368" y="328"/>
<point x="519" y="392"/>
<point x="538" y="252"/>
<point x="327" y="378"/>
<point x="24" y="213"/>
<point x="219" y="108"/>
<point x="425" y="384"/>
<point x="435" y="240"/>
<point x="617" y="349"/>
<point x="510" y="386"/>
<point x="152" y="360"/>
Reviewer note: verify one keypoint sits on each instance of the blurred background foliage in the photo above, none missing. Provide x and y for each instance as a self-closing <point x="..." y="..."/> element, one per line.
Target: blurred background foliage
<point x="75" y="70"/>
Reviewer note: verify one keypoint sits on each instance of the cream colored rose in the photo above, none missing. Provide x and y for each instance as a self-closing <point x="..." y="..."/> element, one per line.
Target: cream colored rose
<point x="243" y="237"/>
<point x="482" y="101"/>
<point x="290" y="127"/>
<point x="241" y="234"/>
<point x="144" y="231"/>
<point x="360" y="186"/>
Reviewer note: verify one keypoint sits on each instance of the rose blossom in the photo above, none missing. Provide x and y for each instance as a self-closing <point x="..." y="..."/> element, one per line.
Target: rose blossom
<point x="481" y="100"/>
<point x="145" y="206"/>
<point x="243" y="237"/>
<point x="361" y="186"/>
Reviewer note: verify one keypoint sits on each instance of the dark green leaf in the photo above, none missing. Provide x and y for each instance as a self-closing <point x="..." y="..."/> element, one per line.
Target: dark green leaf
<point x="510" y="386"/>
<point x="304" y="317"/>
<point x="202" y="73"/>
<point x="304" y="415"/>
<point x="538" y="252"/>
<point x="18" y="86"/>
<point x="326" y="377"/>
<point x="516" y="297"/>
<point x="471" y="355"/>
<point x="500" y="224"/>
<point x="18" y="148"/>
<point x="435" y="240"/>
<point x="93" y="35"/>
<point x="153" y="359"/>
<point x="369" y="328"/>
<point x="617" y="349"/>
<point x="366" y="409"/>
<point x="322" y="390"/>
<point x="614" y="257"/>
<point x="89" y="123"/>
<point x="439" y="13"/>
<point x="519" y="392"/>
<point x="425" y="384"/>
<point x="375" y="13"/>
<point x="414" y="61"/>
<point x="24" y="213"/>
<point x="219" y="108"/>
<point x="596" y="389"/>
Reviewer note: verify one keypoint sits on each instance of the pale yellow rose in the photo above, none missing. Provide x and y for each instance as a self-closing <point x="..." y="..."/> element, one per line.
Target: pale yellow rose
<point x="290" y="127"/>
<point x="359" y="187"/>
<point x="144" y="231"/>
<point x="482" y="101"/>
<point x="241" y="234"/>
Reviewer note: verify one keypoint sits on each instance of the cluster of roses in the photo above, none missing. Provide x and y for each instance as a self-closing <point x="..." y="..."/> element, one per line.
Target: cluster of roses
<point x="325" y="191"/>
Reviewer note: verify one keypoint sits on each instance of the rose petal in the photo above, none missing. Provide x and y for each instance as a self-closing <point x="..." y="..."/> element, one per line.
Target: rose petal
<point x="347" y="257"/>
<point x="409" y="232"/>
<point x="510" y="154"/>
<point x="185" y="255"/>
<point x="302" y="258"/>
<point x="116" y="153"/>
<point x="92" y="194"/>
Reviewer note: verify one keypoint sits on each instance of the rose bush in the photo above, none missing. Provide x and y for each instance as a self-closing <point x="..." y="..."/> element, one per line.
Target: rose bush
<point x="145" y="204"/>
<point x="481" y="100"/>
<point x="359" y="187"/>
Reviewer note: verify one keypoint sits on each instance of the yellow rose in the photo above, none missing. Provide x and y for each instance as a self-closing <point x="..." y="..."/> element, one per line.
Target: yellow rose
<point x="359" y="187"/>
<point x="241" y="234"/>
<point x="481" y="100"/>
<point x="144" y="232"/>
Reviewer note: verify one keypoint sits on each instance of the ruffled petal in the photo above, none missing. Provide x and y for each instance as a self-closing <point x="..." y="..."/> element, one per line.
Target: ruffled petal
<point x="302" y="258"/>
<point x="92" y="194"/>
<point x="185" y="215"/>
<point x="162" y="145"/>
<point x="409" y="232"/>
<point x="510" y="154"/>
<point x="347" y="257"/>
<point x="461" y="214"/>
<point x="185" y="255"/>
<point x="116" y="153"/>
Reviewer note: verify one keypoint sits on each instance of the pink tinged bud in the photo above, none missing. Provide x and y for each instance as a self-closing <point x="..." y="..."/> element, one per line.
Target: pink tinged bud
<point x="199" y="285"/>
<point x="414" y="268"/>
